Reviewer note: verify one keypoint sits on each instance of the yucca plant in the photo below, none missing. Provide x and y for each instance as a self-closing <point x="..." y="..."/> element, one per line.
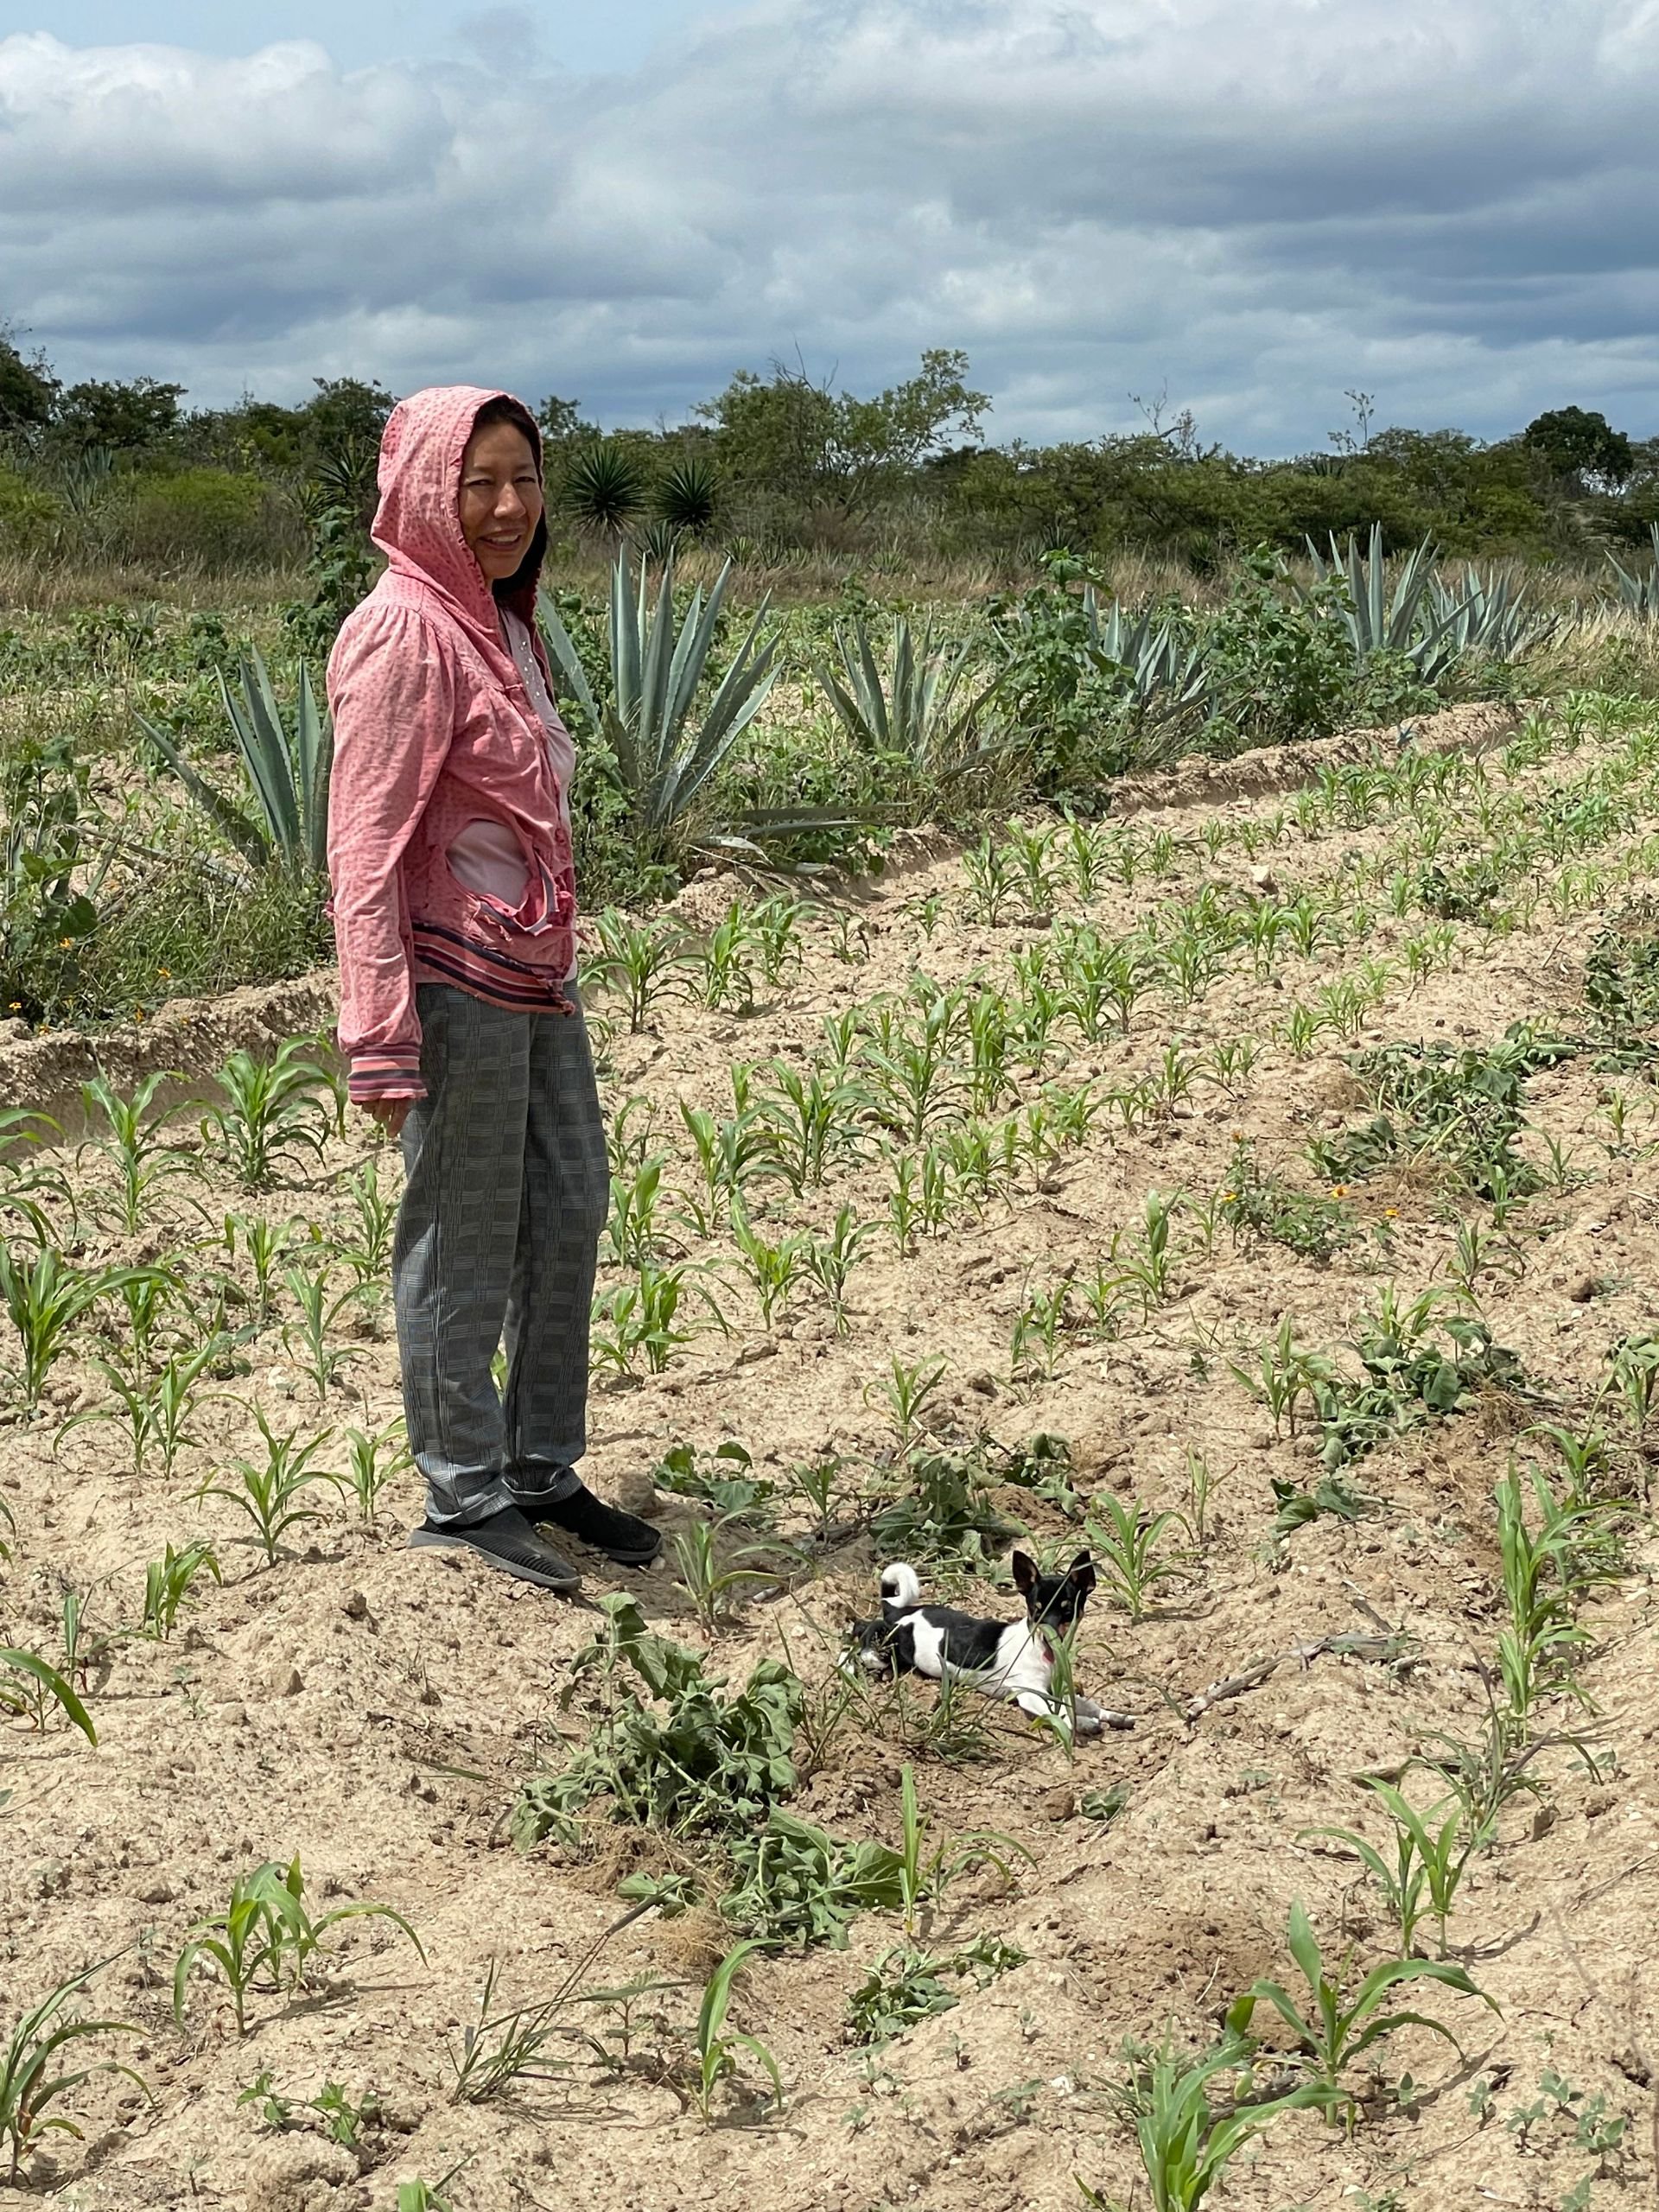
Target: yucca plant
<point x="911" y="713"/>
<point x="665" y="756"/>
<point x="689" y="495"/>
<point x="604" y="488"/>
<point x="287" y="775"/>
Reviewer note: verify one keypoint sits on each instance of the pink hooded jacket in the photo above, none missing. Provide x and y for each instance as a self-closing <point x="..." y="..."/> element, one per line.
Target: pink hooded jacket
<point x="433" y="730"/>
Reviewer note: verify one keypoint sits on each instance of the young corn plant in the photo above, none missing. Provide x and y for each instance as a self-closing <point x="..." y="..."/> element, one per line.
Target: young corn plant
<point x="772" y="1270"/>
<point x="368" y="1252"/>
<point x="167" y="1583"/>
<point x="45" y="1300"/>
<point x="1185" y="2142"/>
<point x="269" y="1492"/>
<point x="309" y="1339"/>
<point x="41" y="1683"/>
<point x="1125" y="1539"/>
<point x="907" y="1392"/>
<point x="1431" y="1852"/>
<point x="38" y="2071"/>
<point x="647" y="961"/>
<point x="636" y="1321"/>
<point x="1337" y="2022"/>
<point x="130" y="1135"/>
<point x="928" y="1866"/>
<point x="375" y="1456"/>
<point x="267" y="1937"/>
<point x="716" y="2046"/>
<point x="711" y="1583"/>
<point x="272" y="1110"/>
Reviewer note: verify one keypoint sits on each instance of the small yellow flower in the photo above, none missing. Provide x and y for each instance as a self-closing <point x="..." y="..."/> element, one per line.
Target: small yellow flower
<point x="1338" y="1190"/>
<point x="65" y="944"/>
<point x="15" y="1006"/>
<point x="165" y="974"/>
<point x="1390" y="1213"/>
<point x="1229" y="1197"/>
<point x="138" y="1014"/>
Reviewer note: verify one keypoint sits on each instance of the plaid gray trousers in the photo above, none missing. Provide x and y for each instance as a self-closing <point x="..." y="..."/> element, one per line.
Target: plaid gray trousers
<point x="508" y="1188"/>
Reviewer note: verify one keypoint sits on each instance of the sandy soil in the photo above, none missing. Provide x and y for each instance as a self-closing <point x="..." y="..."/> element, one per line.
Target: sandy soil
<point x="375" y="1710"/>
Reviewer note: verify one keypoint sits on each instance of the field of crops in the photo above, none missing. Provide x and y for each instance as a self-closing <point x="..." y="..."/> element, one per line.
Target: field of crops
<point x="1254" y="1189"/>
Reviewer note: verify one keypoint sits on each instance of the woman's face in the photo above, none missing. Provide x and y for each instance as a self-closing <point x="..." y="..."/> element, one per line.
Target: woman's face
<point x="500" y="498"/>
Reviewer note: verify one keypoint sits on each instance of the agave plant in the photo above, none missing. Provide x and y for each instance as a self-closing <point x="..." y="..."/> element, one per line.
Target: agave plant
<point x="659" y="664"/>
<point x="1151" y="654"/>
<point x="1640" y="592"/>
<point x="604" y="488"/>
<point x="1378" y="621"/>
<point x="287" y="776"/>
<point x="1492" y="618"/>
<point x="913" y="714"/>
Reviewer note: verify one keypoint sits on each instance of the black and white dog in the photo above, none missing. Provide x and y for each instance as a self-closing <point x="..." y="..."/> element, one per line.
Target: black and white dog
<point x="1010" y="1660"/>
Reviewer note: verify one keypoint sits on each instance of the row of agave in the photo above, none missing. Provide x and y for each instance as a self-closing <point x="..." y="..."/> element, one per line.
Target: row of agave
<point x="669" y="720"/>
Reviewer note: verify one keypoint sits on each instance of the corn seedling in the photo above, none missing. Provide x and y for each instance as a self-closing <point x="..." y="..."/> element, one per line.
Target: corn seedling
<point x="907" y="1391"/>
<point x="269" y="1493"/>
<point x="272" y="1109"/>
<point x="716" y="2046"/>
<point x="167" y="1585"/>
<point x="1125" y="1540"/>
<point x="1431" y="1851"/>
<point x="46" y="1299"/>
<point x="368" y="1471"/>
<point x="43" y="1682"/>
<point x="35" y="2054"/>
<point x="726" y="957"/>
<point x="1342" y="2022"/>
<point x="830" y="1259"/>
<point x="631" y="1232"/>
<point x="266" y="1936"/>
<point x="643" y="961"/>
<point x="988" y="867"/>
<point x="638" y="1319"/>
<point x="21" y="1125"/>
<point x="773" y="1269"/>
<point x="267" y="1244"/>
<point x="1185" y="2142"/>
<point x="368" y="1254"/>
<point x="1038" y="1327"/>
<point x="130" y="1138"/>
<point x="1285" y="1374"/>
<point x="709" y="1584"/>
<point x="307" y="1339"/>
<point x="927" y="1867"/>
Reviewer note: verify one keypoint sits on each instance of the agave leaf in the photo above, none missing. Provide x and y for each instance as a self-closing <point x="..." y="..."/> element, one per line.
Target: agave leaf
<point x="237" y="829"/>
<point x="568" y="661"/>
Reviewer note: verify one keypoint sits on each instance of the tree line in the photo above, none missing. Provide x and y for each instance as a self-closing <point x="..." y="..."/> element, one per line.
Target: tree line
<point x="779" y="460"/>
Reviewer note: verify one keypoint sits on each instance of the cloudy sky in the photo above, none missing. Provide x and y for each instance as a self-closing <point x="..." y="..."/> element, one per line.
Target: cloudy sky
<point x="1251" y="204"/>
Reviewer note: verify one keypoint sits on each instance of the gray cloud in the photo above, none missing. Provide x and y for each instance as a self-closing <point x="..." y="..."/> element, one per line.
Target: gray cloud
<point x="1256" y="202"/>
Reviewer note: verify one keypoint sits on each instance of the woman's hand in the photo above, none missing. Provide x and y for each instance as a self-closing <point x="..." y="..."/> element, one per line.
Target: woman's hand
<point x="390" y="1113"/>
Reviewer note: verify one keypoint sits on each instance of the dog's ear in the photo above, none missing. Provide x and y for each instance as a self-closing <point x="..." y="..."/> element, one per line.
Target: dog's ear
<point x="1024" y="1573"/>
<point x="1082" y="1571"/>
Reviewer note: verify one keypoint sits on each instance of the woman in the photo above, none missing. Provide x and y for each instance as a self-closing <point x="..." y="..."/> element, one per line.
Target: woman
<point x="454" y="905"/>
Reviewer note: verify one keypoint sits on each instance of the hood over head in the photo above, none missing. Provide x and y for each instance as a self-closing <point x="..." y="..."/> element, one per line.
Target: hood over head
<point x="417" y="523"/>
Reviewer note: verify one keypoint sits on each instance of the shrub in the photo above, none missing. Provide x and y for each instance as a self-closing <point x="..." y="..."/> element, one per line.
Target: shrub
<point x="28" y="516"/>
<point x="207" y="517"/>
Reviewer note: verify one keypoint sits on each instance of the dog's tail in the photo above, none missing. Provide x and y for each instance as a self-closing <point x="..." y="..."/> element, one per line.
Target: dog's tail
<point x="900" y="1584"/>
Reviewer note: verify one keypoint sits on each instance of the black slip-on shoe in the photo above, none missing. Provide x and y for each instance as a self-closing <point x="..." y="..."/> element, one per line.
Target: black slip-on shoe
<point x="621" y="1536"/>
<point x="505" y="1539"/>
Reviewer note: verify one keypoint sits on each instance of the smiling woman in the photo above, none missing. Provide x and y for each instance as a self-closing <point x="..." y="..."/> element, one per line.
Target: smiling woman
<point x="454" y="905"/>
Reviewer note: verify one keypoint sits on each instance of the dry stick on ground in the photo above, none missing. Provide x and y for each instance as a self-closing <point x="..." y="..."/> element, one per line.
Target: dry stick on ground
<point x="1381" y="1648"/>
